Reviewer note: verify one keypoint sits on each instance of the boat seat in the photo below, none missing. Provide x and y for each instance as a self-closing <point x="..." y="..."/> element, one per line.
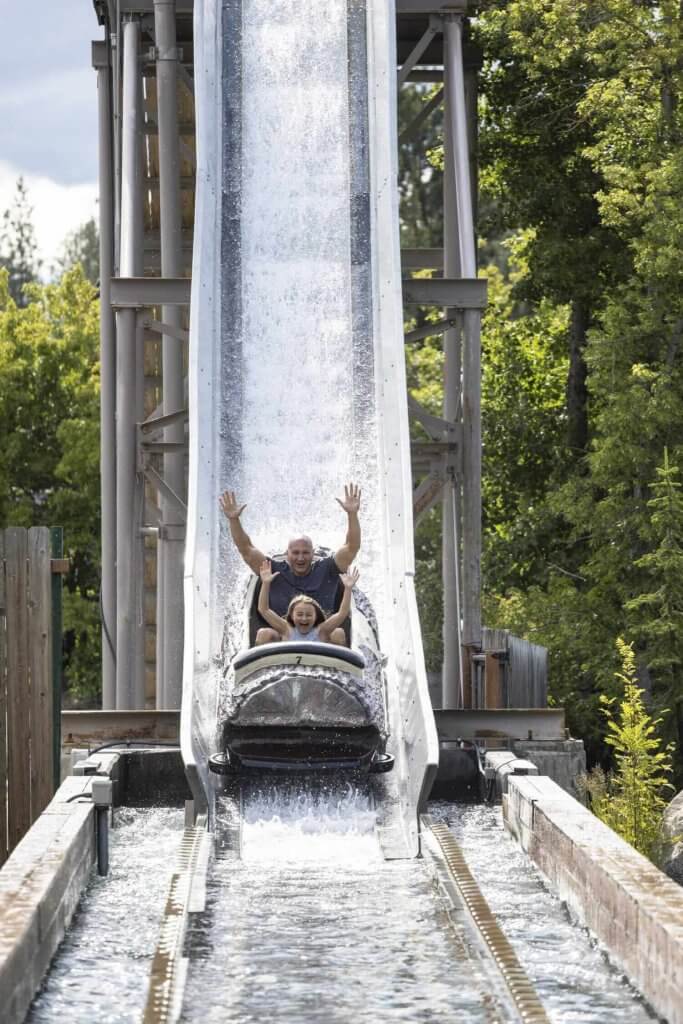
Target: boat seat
<point x="285" y="647"/>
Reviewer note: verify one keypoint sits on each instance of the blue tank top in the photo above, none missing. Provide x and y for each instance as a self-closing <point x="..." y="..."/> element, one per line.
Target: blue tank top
<point x="311" y="637"/>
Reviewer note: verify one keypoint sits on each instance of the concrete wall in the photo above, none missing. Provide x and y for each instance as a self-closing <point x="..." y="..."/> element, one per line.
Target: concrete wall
<point x="561" y="760"/>
<point x="40" y="886"/>
<point x="631" y="906"/>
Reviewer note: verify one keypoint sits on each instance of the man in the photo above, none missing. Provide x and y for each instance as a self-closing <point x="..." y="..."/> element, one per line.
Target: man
<point x="299" y="572"/>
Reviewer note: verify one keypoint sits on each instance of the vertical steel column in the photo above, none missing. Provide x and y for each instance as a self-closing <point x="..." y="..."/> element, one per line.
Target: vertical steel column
<point x="129" y="491"/>
<point x="115" y="49"/>
<point x="101" y="63"/>
<point x="471" y="368"/>
<point x="172" y="529"/>
<point x="451" y="680"/>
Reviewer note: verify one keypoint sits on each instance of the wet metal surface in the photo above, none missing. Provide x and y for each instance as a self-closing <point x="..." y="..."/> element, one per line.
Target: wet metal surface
<point x="569" y="969"/>
<point x="101" y="971"/>
<point x="314" y="925"/>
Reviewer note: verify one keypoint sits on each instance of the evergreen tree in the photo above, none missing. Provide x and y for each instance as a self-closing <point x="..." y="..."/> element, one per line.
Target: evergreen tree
<point x="82" y="246"/>
<point x="658" y="611"/>
<point x="18" y="247"/>
<point x="630" y="800"/>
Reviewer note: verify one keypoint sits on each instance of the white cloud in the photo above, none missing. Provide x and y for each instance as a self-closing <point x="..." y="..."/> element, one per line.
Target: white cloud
<point x="57" y="209"/>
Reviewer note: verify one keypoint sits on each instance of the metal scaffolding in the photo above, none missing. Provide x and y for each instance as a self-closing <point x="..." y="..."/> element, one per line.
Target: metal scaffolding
<point x="147" y="164"/>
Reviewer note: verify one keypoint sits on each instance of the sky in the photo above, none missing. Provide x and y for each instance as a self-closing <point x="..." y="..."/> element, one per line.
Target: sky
<point x="48" y="114"/>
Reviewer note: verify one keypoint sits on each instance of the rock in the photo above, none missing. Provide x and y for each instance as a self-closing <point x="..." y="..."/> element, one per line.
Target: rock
<point x="672" y="853"/>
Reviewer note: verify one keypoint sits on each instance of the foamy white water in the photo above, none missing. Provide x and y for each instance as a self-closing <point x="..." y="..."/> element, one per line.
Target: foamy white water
<point x="313" y="924"/>
<point x="306" y="413"/>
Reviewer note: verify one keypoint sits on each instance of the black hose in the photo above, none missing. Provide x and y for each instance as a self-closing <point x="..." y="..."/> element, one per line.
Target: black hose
<point x="491" y="787"/>
<point x="105" y="627"/>
<point x="134" y="743"/>
<point x="102" y="831"/>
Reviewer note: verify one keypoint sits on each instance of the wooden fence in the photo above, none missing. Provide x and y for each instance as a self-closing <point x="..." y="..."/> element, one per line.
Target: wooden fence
<point x="30" y="676"/>
<point x="509" y="672"/>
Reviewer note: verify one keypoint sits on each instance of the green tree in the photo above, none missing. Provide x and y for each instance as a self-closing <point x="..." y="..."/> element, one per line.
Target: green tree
<point x="18" y="247"/>
<point x="630" y="800"/>
<point x="658" y="612"/>
<point x="49" y="420"/>
<point x="81" y="246"/>
<point x="581" y="148"/>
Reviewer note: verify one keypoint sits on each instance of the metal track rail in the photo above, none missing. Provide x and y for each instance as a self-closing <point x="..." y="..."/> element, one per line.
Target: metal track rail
<point x="522" y="992"/>
<point x="186" y="894"/>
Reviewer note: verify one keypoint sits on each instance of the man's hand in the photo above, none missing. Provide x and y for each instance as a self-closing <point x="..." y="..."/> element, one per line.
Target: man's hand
<point x="265" y="571"/>
<point x="349" y="579"/>
<point x="351" y="500"/>
<point x="228" y="503"/>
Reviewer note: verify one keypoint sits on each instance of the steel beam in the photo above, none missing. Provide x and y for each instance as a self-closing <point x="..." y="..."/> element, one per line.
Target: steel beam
<point x="413" y="128"/>
<point x="497" y="726"/>
<point x="431" y="330"/>
<point x="430" y="6"/>
<point x="156" y="423"/>
<point x="167" y="492"/>
<point x="471" y="369"/>
<point x="421" y="259"/>
<point x="437" y="428"/>
<point x="133" y="292"/>
<point x="147" y="6"/>
<point x="426" y="495"/>
<point x="129" y="488"/>
<point x="445" y="291"/>
<point x="451" y="675"/>
<point x="413" y="57"/>
<point x="90" y="728"/>
<point x="170" y="330"/>
<point x="170" y="550"/>
<point x="101" y="63"/>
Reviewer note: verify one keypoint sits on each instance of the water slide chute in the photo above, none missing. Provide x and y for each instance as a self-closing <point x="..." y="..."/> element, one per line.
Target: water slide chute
<point x="296" y="378"/>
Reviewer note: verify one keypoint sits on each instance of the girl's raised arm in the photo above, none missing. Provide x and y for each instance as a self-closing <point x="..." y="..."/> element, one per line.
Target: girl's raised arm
<point x="349" y="580"/>
<point x="271" y="617"/>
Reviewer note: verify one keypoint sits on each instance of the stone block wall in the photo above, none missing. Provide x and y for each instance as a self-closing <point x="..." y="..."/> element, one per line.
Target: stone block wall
<point x="631" y="906"/>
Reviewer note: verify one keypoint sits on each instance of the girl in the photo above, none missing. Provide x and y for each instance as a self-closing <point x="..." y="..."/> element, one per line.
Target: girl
<point x="305" y="618"/>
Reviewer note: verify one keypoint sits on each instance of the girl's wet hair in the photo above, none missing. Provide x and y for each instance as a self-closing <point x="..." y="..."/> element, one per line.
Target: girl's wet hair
<point x="305" y="599"/>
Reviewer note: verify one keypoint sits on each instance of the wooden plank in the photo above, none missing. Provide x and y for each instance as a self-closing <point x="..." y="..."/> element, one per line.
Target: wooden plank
<point x="56" y="550"/>
<point x="40" y="666"/>
<point x="18" y="693"/>
<point x="3" y="708"/>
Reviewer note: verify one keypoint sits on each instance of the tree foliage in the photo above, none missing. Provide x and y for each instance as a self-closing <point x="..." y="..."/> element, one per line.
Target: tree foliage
<point x="49" y="461"/>
<point x="82" y="246"/>
<point x="581" y="149"/>
<point x="18" y="247"/>
<point x="631" y="798"/>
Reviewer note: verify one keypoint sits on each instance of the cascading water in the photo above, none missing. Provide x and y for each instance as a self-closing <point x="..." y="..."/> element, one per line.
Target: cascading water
<point x="296" y="346"/>
<point x="313" y="924"/>
<point x="296" y="322"/>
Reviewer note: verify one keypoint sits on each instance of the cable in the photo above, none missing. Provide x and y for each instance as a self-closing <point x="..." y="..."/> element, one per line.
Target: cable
<point x="105" y="627"/>
<point x="134" y="743"/>
<point x="492" y="781"/>
<point x="79" y="796"/>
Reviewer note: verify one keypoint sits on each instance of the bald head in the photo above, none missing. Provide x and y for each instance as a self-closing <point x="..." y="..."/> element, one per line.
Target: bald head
<point x="301" y="538"/>
<point x="300" y="555"/>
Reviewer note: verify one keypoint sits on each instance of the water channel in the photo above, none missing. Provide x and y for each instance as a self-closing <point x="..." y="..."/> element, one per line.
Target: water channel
<point x="312" y="923"/>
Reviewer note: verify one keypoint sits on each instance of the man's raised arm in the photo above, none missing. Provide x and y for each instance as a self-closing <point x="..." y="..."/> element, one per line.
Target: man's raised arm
<point x="351" y="504"/>
<point x="232" y="511"/>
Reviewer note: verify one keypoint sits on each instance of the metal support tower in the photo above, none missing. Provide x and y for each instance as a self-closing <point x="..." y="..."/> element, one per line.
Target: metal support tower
<point x="129" y="489"/>
<point x="454" y="472"/>
<point x="102" y="64"/>
<point x="146" y="145"/>
<point x="171" y="535"/>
